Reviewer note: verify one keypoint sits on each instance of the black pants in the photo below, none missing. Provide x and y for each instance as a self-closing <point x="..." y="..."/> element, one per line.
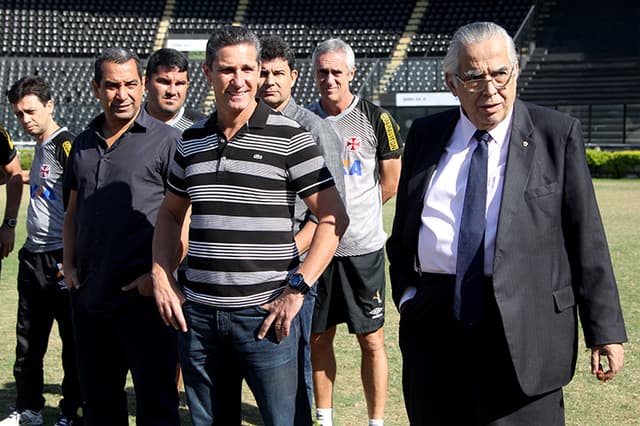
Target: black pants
<point x="41" y="300"/>
<point x="456" y="376"/>
<point x="130" y="338"/>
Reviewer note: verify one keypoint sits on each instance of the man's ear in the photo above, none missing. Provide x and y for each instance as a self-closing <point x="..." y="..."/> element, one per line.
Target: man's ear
<point x="449" y="79"/>
<point x="94" y="89"/>
<point x="205" y="70"/>
<point x="49" y="106"/>
<point x="294" y="77"/>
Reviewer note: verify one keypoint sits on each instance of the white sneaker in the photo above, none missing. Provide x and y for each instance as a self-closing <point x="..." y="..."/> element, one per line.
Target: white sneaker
<point x="23" y="418"/>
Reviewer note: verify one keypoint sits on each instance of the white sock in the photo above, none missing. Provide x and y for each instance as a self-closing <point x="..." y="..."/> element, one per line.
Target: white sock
<point x="376" y="422"/>
<point x="324" y="416"/>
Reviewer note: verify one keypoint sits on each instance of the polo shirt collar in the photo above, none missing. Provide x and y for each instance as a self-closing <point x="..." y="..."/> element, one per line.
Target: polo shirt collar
<point x="171" y="122"/>
<point x="54" y="134"/>
<point x="347" y="110"/>
<point x="139" y="125"/>
<point x="257" y="120"/>
<point x="290" y="107"/>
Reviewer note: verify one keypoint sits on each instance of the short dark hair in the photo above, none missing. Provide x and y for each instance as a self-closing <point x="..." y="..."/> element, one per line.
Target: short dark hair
<point x="117" y="55"/>
<point x="29" y="85"/>
<point x="166" y="57"/>
<point x="275" y="47"/>
<point x="230" y="35"/>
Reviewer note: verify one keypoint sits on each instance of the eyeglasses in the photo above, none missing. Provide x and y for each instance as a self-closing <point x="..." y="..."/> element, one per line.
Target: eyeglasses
<point x="475" y="84"/>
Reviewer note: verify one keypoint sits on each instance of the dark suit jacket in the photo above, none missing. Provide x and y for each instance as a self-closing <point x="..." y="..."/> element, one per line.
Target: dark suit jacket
<point x="551" y="257"/>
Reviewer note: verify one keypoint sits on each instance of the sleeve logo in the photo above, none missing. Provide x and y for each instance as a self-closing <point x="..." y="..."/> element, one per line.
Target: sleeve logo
<point x="391" y="134"/>
<point x="66" y="146"/>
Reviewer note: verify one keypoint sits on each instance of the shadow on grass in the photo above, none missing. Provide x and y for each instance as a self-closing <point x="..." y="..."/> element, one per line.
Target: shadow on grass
<point x="7" y="397"/>
<point x="8" y="400"/>
<point x="250" y="413"/>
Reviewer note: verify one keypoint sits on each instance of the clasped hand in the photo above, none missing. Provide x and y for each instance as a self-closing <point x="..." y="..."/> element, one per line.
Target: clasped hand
<point x="282" y="310"/>
<point x="614" y="352"/>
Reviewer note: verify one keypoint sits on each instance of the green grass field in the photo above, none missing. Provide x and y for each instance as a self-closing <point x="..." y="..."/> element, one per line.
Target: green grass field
<point x="588" y="402"/>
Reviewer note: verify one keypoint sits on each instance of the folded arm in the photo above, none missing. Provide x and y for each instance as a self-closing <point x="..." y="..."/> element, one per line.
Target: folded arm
<point x="332" y="217"/>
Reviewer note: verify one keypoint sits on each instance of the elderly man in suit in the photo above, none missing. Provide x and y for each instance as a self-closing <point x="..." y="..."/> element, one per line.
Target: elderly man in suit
<point x="497" y="245"/>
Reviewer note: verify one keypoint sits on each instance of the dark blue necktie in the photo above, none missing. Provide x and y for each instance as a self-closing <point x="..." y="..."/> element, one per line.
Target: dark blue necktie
<point x="469" y="294"/>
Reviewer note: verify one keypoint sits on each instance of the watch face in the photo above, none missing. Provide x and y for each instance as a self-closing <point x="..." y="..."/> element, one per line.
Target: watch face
<point x="296" y="281"/>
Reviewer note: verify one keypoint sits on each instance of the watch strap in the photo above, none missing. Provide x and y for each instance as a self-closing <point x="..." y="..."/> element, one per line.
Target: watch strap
<point x="10" y="222"/>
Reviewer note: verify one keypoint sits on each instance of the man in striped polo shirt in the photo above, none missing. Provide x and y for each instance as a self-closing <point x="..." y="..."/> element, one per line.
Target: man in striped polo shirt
<point x="240" y="171"/>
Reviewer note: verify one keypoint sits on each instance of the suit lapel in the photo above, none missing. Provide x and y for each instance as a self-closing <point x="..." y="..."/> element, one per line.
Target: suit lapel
<point x="520" y="156"/>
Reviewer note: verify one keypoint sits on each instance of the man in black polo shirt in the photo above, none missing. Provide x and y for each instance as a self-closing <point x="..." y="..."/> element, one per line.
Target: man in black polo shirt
<point x="116" y="176"/>
<point x="11" y="167"/>
<point x="167" y="83"/>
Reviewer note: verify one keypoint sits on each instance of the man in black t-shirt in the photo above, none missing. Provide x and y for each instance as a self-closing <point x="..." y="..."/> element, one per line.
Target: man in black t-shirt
<point x="11" y="167"/>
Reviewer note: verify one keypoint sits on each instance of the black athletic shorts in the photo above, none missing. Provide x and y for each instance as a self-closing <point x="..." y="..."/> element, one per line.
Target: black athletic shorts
<point x="351" y="290"/>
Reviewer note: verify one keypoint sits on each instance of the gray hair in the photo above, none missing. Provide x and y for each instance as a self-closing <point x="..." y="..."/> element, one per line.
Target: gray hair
<point x="230" y="36"/>
<point x="116" y="55"/>
<point x="334" y="45"/>
<point x="474" y="33"/>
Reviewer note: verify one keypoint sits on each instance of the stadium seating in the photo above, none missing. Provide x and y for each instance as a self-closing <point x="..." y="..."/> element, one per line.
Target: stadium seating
<point x="372" y="28"/>
<point x="581" y="64"/>
<point x="77" y="28"/>
<point x="425" y="75"/>
<point x="584" y="67"/>
<point x="200" y="17"/>
<point x="443" y="17"/>
<point x="75" y="104"/>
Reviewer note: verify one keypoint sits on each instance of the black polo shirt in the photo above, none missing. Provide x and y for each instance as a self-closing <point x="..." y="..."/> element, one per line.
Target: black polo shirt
<point x="120" y="189"/>
<point x="7" y="150"/>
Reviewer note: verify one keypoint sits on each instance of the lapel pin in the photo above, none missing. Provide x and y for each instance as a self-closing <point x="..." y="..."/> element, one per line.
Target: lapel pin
<point x="525" y="144"/>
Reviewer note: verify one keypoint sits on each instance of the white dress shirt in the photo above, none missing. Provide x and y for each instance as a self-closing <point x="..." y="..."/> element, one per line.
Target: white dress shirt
<point x="444" y="198"/>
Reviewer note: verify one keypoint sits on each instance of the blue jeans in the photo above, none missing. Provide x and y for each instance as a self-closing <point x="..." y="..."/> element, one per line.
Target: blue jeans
<point x="220" y="349"/>
<point x="304" y="398"/>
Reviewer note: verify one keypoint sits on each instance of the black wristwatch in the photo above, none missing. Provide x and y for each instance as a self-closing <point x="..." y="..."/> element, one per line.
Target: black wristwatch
<point x="296" y="282"/>
<point x="10" y="223"/>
